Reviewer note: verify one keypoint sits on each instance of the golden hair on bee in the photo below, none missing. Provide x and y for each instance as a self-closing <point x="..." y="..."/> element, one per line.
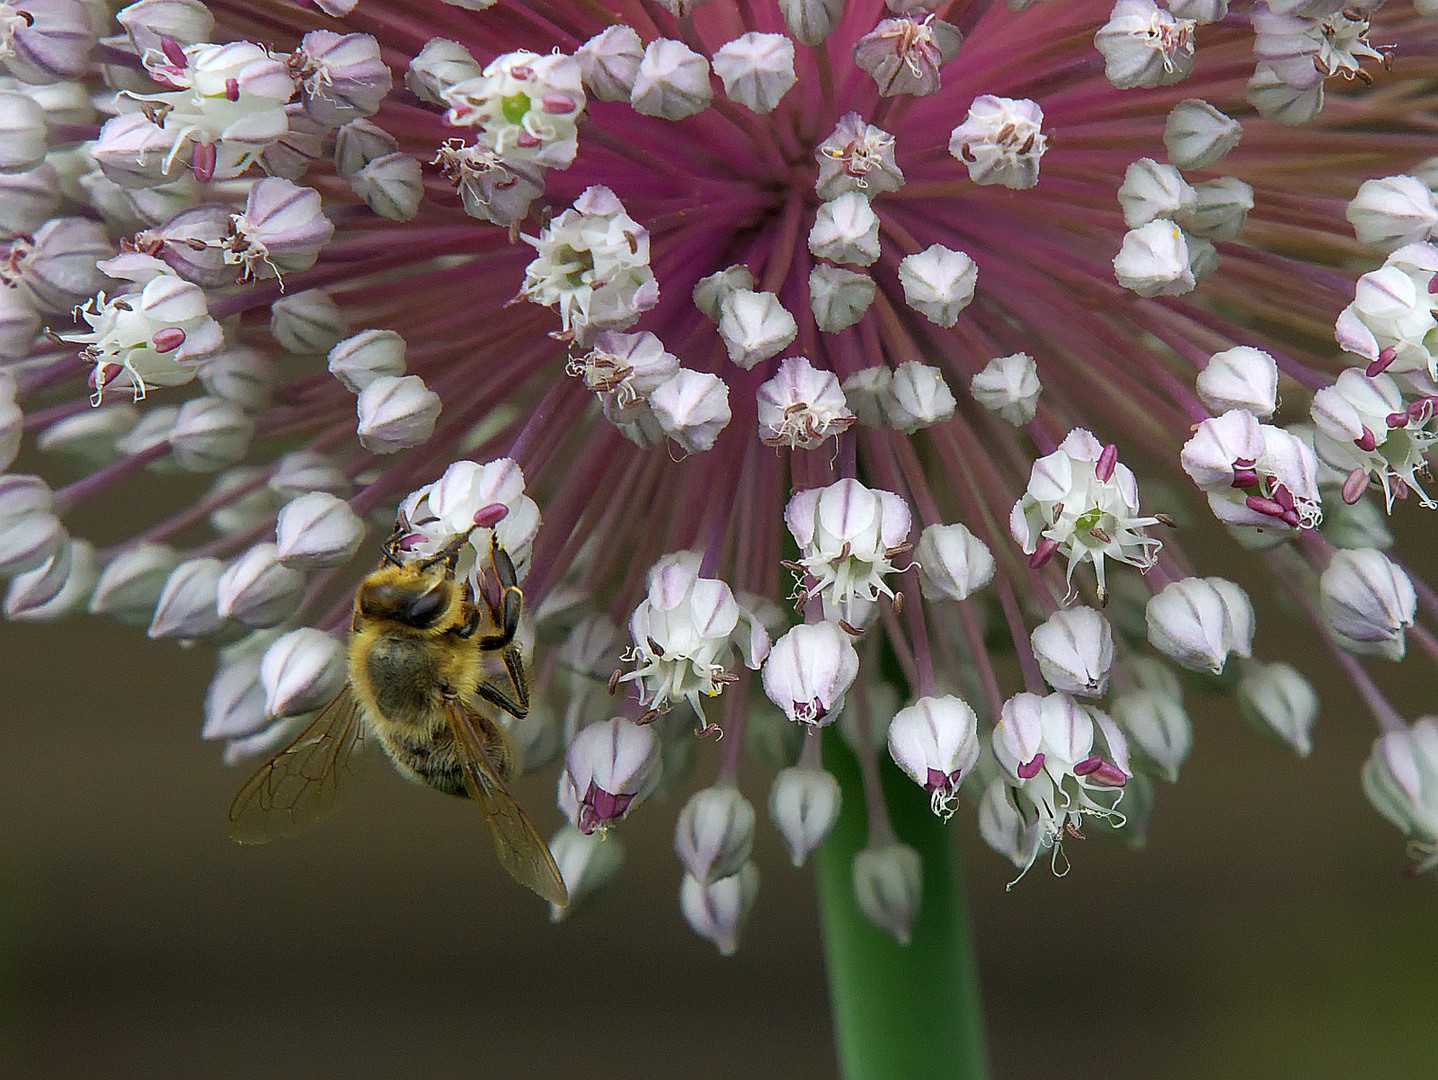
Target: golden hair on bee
<point x="420" y="687"/>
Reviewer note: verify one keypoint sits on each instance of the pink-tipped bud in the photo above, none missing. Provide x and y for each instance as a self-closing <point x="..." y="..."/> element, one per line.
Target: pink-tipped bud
<point x="487" y="517"/>
<point x="1354" y="485"/>
<point x="1366" y="441"/>
<point x="1027" y="770"/>
<point x="168" y="340"/>
<point x="1043" y="553"/>
<point x="202" y="162"/>
<point x="1106" y="462"/>
<point x="174" y="51"/>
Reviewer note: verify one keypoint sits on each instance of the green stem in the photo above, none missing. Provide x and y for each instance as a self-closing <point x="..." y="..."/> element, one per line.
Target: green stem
<point x="899" y="1012"/>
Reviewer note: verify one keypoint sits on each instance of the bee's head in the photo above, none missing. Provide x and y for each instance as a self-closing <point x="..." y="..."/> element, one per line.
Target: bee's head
<point x="413" y="594"/>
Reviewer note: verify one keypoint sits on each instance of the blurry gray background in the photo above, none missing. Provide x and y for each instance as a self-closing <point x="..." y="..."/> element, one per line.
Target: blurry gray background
<point x="1267" y="931"/>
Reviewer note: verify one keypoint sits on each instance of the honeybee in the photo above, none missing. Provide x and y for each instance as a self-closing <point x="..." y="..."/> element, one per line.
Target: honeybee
<point x="418" y="685"/>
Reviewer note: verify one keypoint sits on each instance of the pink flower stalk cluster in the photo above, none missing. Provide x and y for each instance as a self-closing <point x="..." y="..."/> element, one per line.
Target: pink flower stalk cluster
<point x="774" y="341"/>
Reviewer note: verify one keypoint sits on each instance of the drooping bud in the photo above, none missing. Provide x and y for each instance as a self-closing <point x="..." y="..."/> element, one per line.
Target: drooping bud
<point x="391" y="186"/>
<point x="1074" y="648"/>
<point x="1219" y="211"/>
<point x="804" y="805"/>
<point x="1197" y="135"/>
<point x="755" y="326"/>
<point x="952" y="562"/>
<point x="711" y="292"/>
<point x="307" y="322"/>
<point x="257" y="590"/>
<point x="1400" y="779"/>
<point x="935" y="741"/>
<point x="809" y="671"/>
<point x="1009" y="386"/>
<point x="888" y="887"/>
<point x="1154" y="260"/>
<point x="210" y="433"/>
<point x="1158" y="725"/>
<point x="396" y="413"/>
<point x="938" y="283"/>
<point x="243" y="377"/>
<point x="359" y="360"/>
<point x="718" y="911"/>
<point x="1240" y="378"/>
<point x="846" y="230"/>
<point x="317" y="530"/>
<point x="1393" y="211"/>
<point x="1199" y="621"/>
<point x="609" y="62"/>
<point x="611" y="767"/>
<point x="1277" y="698"/>
<point x="810" y="21"/>
<point x="300" y="671"/>
<point x="22" y="133"/>
<point x="1364" y="596"/>
<point x="56" y="588"/>
<point x="714" y="834"/>
<point x="186" y="607"/>
<point x="130" y="583"/>
<point x="1150" y="191"/>
<point x="438" y="66"/>
<point x="586" y="863"/>
<point x="692" y="408"/>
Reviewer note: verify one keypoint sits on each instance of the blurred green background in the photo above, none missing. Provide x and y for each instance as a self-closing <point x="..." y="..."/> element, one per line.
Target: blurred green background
<point x="1267" y="931"/>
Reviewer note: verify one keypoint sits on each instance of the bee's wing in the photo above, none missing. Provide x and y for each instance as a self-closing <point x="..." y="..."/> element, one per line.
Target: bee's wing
<point x="301" y="783"/>
<point x="521" y="850"/>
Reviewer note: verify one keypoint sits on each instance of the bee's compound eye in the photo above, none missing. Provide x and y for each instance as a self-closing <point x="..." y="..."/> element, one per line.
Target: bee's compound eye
<point x="422" y="609"/>
<point x="405" y="603"/>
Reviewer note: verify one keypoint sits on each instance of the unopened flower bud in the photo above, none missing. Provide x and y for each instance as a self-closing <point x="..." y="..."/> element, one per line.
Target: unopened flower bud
<point x="1361" y="525"/>
<point x="56" y="588"/>
<point x="935" y="741"/>
<point x="838" y="297"/>
<point x="672" y="81"/>
<point x="1240" y="378"/>
<point x="1366" y="597"/>
<point x="1003" y="827"/>
<point x="609" y="62"/>
<point x="712" y="291"/>
<point x="309" y="322"/>
<point x="360" y="142"/>
<point x="810" y="21"/>
<point x="1400" y="779"/>
<point x="1197" y="135"/>
<point x="301" y="671"/>
<point x="186" y="607"/>
<point x="904" y="55"/>
<point x="755" y="326"/>
<point x="938" y="283"/>
<point x="888" y="887"/>
<point x="1219" y="211"/>
<point x="952" y="562"/>
<point x="235" y="700"/>
<point x="302" y="471"/>
<point x="714" y="834"/>
<point x="391" y="186"/>
<point x="243" y="377"/>
<point x="60" y="270"/>
<point x="587" y="863"/>
<point x="1199" y="621"/>
<point x="22" y="133"/>
<point x="438" y="66"/>
<point x="130" y="583"/>
<point x="1009" y="386"/>
<point x="692" y="408"/>
<point x="28" y="199"/>
<point x="718" y="911"/>
<point x="1074" y="648"/>
<point x="919" y="397"/>
<point x="1277" y="698"/>
<point x="209" y="434"/>
<point x="257" y="590"/>
<point x="809" y="670"/>
<point x="1393" y="211"/>
<point x="1151" y="191"/>
<point x="359" y="360"/>
<point x="1154" y="261"/>
<point x="396" y="413"/>
<point x="804" y="805"/>
<point x="757" y="69"/>
<point x="1158" y="725"/>
<point x="611" y="767"/>
<point x="317" y="530"/>
<point x="12" y="426"/>
<point x="846" y="230"/>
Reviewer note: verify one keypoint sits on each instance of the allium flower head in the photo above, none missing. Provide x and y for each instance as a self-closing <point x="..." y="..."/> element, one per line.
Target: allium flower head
<point x="667" y="313"/>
